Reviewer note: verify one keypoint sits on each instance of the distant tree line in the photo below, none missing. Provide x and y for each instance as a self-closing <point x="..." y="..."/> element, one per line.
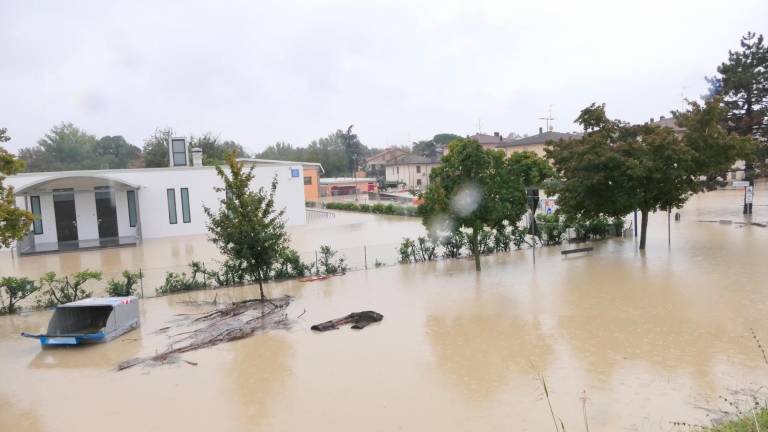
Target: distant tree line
<point x="341" y="153"/>
<point x="66" y="147"/>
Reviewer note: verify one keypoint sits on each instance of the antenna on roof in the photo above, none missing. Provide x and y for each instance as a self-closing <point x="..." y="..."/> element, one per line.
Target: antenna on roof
<point x="548" y="118"/>
<point x="479" y="126"/>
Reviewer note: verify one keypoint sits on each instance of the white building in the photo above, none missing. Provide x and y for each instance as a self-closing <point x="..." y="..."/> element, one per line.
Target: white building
<point x="100" y="208"/>
<point x="411" y="171"/>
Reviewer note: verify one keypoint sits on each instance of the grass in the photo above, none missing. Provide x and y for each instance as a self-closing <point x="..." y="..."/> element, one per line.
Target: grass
<point x="750" y="422"/>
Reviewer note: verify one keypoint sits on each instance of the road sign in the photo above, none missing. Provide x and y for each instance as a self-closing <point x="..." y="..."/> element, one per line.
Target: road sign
<point x="740" y="183"/>
<point x="748" y="195"/>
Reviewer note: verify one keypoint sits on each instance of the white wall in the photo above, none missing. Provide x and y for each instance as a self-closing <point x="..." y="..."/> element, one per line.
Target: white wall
<point x="47" y="216"/>
<point x="151" y="198"/>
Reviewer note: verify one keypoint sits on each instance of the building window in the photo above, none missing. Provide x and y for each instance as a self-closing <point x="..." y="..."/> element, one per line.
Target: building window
<point x="418" y="182"/>
<point x="179" y="149"/>
<point x="185" y="206"/>
<point x="418" y="169"/>
<point x="398" y="169"/>
<point x="171" y="205"/>
<point x="37" y="225"/>
<point x="307" y="180"/>
<point x="131" y="208"/>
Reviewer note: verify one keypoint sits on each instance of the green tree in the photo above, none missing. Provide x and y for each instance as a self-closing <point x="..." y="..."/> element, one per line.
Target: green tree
<point x="215" y="151"/>
<point x="715" y="149"/>
<point x="472" y="189"/>
<point x="67" y="147"/>
<point x="592" y="178"/>
<point x="155" y="151"/>
<point x="247" y="228"/>
<point x="431" y="148"/>
<point x="14" y="222"/>
<point x="661" y="170"/>
<point x="353" y="149"/>
<point x="532" y="169"/>
<point x="64" y="148"/>
<point x="330" y="151"/>
<point x="616" y="168"/>
<point x="116" y="152"/>
<point x="16" y="289"/>
<point x="742" y="82"/>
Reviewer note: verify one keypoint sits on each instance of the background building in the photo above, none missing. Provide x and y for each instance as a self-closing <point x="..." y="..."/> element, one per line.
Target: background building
<point x="412" y="171"/>
<point x="347" y="186"/>
<point x="535" y="143"/>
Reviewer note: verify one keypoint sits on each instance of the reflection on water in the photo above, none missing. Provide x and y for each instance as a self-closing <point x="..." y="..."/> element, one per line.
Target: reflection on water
<point x="479" y="365"/>
<point x="649" y="336"/>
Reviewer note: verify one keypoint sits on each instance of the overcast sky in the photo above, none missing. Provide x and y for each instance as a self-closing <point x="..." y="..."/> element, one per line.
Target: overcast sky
<point x="259" y="72"/>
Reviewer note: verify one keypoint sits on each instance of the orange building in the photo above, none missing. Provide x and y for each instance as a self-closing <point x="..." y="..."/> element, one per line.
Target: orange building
<point x="312" y="173"/>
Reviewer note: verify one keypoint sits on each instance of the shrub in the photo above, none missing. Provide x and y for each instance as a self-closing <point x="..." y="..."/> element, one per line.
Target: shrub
<point x="329" y="266"/>
<point x="502" y="239"/>
<point x="426" y="249"/>
<point x="365" y="208"/>
<point x="55" y="291"/>
<point x="485" y="242"/>
<point x="178" y="282"/>
<point x="407" y="252"/>
<point x="453" y="243"/>
<point x="519" y="236"/>
<point x="289" y="265"/>
<point x="127" y="287"/>
<point x="551" y="229"/>
<point x="16" y="289"/>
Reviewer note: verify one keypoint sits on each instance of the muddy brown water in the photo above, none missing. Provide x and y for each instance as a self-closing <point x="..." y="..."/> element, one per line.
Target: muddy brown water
<point x="651" y="338"/>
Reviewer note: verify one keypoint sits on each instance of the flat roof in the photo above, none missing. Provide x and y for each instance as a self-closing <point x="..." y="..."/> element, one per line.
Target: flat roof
<point x="121" y="170"/>
<point x="333" y="180"/>
<point x="101" y="301"/>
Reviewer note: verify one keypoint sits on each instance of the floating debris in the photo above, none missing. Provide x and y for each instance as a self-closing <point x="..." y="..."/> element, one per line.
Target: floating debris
<point x="359" y="320"/>
<point x="228" y="323"/>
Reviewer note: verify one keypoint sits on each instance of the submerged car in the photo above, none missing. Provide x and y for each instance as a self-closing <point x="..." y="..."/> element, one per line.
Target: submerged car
<point x="91" y="320"/>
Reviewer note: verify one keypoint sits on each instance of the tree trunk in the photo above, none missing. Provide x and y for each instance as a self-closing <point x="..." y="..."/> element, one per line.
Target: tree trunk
<point x="643" y="228"/>
<point x="476" y="248"/>
<point x="261" y="287"/>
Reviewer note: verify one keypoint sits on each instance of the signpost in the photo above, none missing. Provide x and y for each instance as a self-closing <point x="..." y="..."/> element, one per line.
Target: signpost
<point x="749" y="190"/>
<point x="533" y="203"/>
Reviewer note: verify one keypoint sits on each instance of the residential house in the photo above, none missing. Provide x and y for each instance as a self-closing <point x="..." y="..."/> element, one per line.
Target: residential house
<point x="535" y="143"/>
<point x="411" y="170"/>
<point x="488" y="141"/>
<point x="377" y="162"/>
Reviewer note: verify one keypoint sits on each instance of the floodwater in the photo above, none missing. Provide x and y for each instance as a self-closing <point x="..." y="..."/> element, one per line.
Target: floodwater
<point x="650" y="339"/>
<point x="362" y="239"/>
